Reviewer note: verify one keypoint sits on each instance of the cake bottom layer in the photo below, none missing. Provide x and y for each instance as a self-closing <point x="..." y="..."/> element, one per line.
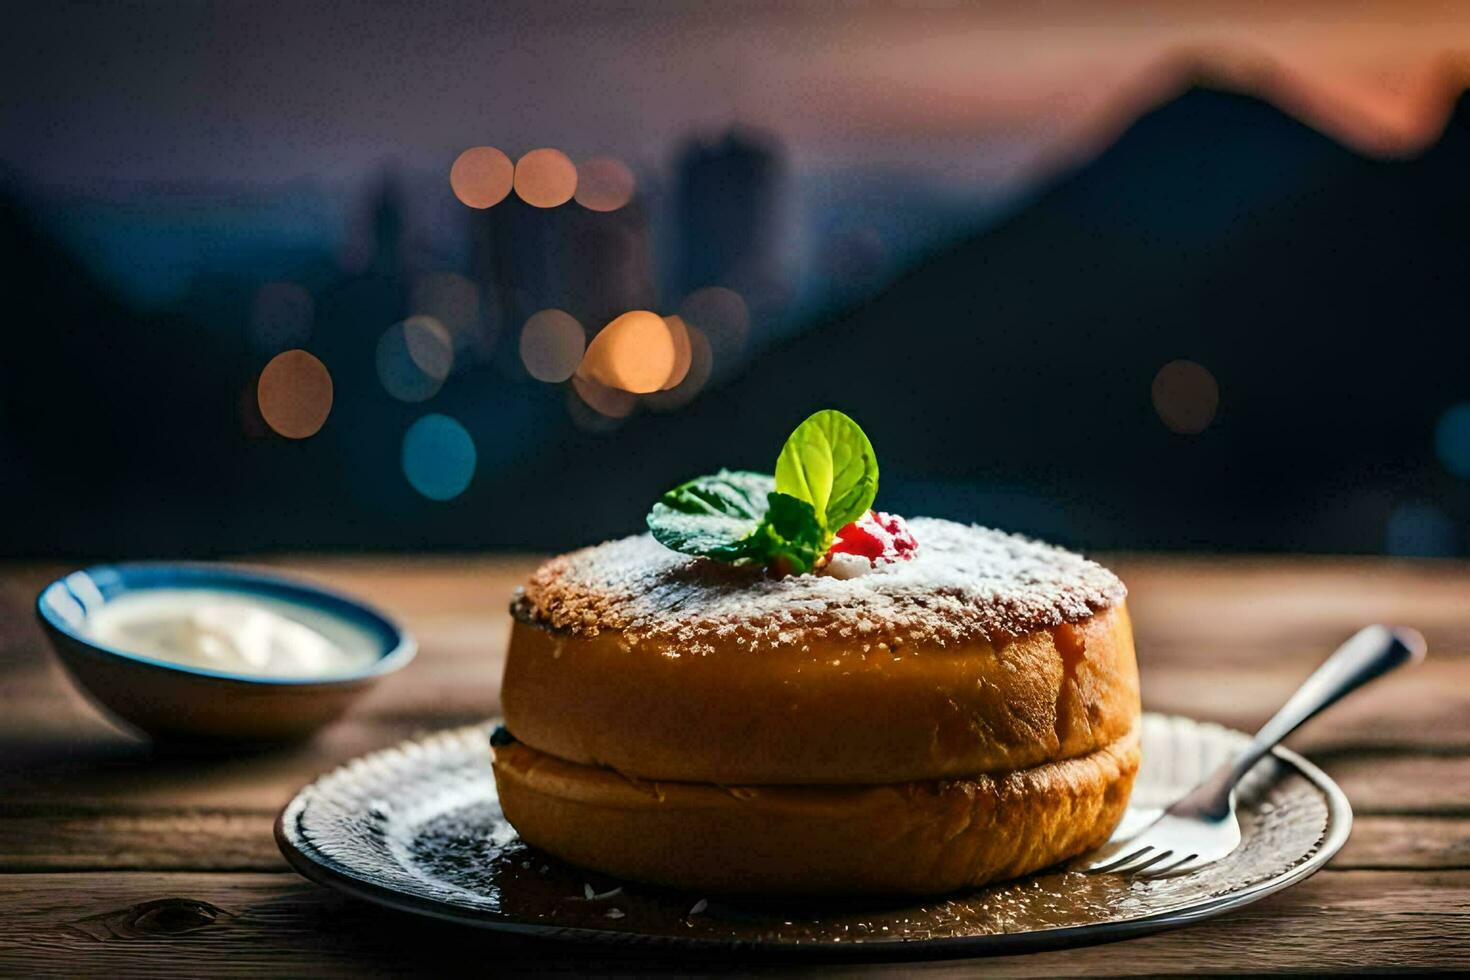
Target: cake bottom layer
<point x="903" y="838"/>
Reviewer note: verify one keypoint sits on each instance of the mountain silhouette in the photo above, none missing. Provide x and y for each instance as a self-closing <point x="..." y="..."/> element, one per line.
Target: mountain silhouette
<point x="1007" y="381"/>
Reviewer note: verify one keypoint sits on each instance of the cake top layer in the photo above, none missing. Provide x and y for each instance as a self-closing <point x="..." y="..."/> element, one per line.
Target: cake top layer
<point x="965" y="583"/>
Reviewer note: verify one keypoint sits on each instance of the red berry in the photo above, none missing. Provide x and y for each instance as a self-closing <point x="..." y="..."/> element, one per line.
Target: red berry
<point x="876" y="536"/>
<point x="861" y="537"/>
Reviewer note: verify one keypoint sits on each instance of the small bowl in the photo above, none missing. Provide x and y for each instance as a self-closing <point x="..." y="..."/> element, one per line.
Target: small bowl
<point x="178" y="703"/>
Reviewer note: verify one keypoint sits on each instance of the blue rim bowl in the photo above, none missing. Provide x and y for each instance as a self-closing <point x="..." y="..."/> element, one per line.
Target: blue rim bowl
<point x="175" y="702"/>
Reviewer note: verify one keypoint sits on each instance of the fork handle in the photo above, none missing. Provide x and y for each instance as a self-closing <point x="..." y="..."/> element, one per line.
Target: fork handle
<point x="1370" y="653"/>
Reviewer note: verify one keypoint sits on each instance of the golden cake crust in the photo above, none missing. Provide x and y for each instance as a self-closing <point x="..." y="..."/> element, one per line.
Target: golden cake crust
<point x="907" y="838"/>
<point x="826" y="712"/>
<point x="965" y="583"/>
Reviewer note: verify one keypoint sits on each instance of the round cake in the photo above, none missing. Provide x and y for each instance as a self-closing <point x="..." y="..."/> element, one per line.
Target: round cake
<point x="931" y="724"/>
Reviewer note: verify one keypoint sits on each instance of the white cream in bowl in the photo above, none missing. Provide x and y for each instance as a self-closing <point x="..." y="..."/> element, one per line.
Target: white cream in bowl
<point x="232" y="632"/>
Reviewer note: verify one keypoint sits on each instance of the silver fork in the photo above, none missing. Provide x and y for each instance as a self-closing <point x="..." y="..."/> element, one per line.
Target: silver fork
<point x="1202" y="827"/>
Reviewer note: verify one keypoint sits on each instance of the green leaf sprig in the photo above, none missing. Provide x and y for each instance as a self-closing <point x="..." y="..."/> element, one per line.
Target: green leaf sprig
<point x="826" y="477"/>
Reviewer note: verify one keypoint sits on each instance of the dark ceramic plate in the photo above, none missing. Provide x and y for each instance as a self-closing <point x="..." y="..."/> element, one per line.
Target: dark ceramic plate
<point x="418" y="827"/>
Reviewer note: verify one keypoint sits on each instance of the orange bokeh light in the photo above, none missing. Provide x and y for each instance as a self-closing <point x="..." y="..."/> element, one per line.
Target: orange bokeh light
<point x="294" y="394"/>
<point x="545" y="178"/>
<point x="481" y="177"/>
<point x="635" y="352"/>
<point x="604" y="184"/>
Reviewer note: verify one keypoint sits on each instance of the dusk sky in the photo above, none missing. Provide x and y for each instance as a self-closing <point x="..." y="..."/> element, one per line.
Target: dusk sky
<point x="267" y="92"/>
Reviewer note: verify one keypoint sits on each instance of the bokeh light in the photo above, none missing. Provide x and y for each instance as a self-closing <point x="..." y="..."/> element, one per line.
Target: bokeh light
<point x="429" y="346"/>
<point x="613" y="403"/>
<point x="481" y="177"/>
<point x="552" y="344"/>
<point x="414" y="357"/>
<point x="683" y="354"/>
<point x="545" y="178"/>
<point x="635" y="352"/>
<point x="701" y="364"/>
<point x="294" y="394"/>
<point x="724" y="318"/>
<point x="604" y="184"/>
<point x="438" y="457"/>
<point x="281" y="316"/>
<point x="588" y="419"/>
<point x="1186" y="396"/>
<point x="1452" y="440"/>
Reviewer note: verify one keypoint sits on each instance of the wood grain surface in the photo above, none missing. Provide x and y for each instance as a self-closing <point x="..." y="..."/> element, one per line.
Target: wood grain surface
<point x="118" y="861"/>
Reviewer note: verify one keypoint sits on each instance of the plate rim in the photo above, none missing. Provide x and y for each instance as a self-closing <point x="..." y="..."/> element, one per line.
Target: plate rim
<point x="310" y="863"/>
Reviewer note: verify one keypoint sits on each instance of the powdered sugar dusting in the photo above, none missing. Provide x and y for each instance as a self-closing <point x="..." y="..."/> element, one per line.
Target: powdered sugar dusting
<point x="966" y="582"/>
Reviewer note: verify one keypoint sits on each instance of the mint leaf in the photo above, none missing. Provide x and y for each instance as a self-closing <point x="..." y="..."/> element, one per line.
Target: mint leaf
<point x="794" y="532"/>
<point x="826" y="477"/>
<point x="738" y="517"/>
<point x="829" y="463"/>
<point x="718" y="516"/>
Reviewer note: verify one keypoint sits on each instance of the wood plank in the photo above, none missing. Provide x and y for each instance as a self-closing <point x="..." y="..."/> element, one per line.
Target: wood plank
<point x="1258" y="608"/>
<point x="56" y="838"/>
<point x="1426" y="707"/>
<point x="228" y="925"/>
<point x="1225" y="640"/>
<point x="456" y="675"/>
<point x="55" y="747"/>
<point x="1255" y="608"/>
<point x="124" y="775"/>
<point x="1233" y="673"/>
<point x="1405" y="843"/>
<point x="1403" y="785"/>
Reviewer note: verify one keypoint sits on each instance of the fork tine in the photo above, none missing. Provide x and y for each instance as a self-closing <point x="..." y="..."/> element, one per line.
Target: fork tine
<point x="1183" y="866"/>
<point x="1142" y="866"/>
<point x="1113" y="862"/>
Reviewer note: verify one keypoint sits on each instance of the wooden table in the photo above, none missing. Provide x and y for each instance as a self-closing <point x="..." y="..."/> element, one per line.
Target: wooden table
<point x="114" y="861"/>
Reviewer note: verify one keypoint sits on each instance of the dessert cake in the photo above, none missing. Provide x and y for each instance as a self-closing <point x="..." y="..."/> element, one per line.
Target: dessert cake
<point x="965" y="716"/>
<point x="964" y="711"/>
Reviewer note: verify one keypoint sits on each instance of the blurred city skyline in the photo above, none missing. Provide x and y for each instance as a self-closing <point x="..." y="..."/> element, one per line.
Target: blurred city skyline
<point x="290" y="298"/>
<point x="271" y="119"/>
